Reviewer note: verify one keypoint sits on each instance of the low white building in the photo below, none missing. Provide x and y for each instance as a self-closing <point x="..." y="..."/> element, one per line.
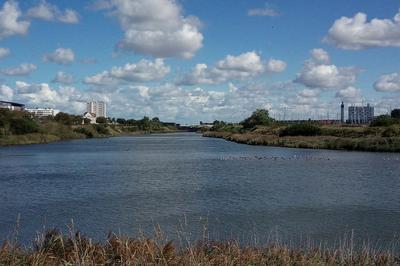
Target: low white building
<point x="12" y="106"/>
<point x="91" y="116"/>
<point x="42" y="112"/>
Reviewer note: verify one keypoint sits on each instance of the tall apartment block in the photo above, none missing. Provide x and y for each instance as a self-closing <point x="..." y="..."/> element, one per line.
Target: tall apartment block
<point x="97" y="108"/>
<point x="361" y="114"/>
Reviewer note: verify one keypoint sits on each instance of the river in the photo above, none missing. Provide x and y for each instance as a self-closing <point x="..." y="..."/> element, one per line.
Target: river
<point x="188" y="184"/>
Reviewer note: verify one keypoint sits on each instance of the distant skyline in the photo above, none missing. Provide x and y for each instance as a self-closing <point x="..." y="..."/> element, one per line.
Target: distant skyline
<point x="193" y="60"/>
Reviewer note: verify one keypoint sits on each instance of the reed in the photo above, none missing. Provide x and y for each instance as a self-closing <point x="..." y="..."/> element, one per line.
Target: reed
<point x="54" y="248"/>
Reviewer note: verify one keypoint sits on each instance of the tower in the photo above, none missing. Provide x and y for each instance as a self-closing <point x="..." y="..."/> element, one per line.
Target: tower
<point x="342" y="113"/>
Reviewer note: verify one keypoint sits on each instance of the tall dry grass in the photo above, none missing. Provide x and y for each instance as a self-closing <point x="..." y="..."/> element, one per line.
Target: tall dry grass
<point x="73" y="248"/>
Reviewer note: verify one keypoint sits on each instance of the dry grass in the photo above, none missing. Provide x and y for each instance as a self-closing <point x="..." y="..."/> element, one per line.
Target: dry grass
<point x="368" y="143"/>
<point x="54" y="248"/>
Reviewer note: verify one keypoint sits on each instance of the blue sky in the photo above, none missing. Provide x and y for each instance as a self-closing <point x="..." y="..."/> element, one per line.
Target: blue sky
<point x="192" y="60"/>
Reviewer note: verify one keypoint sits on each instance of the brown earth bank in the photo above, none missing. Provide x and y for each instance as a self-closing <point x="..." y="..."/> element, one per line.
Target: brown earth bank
<point x="54" y="248"/>
<point x="359" y="143"/>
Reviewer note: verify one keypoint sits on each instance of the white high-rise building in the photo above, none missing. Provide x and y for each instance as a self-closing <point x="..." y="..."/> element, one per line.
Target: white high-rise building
<point x="97" y="108"/>
<point x="361" y="114"/>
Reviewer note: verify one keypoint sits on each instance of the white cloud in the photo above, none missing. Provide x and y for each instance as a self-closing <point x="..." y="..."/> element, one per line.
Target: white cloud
<point x="276" y="66"/>
<point x="21" y="70"/>
<point x="241" y="67"/>
<point x="60" y="56"/>
<point x="70" y="16"/>
<point x="308" y="93"/>
<point x="10" y="20"/>
<point x="318" y="73"/>
<point x="49" y="12"/>
<point x="320" y="56"/>
<point x="64" y="78"/>
<point x="66" y="99"/>
<point x="6" y="92"/>
<point x="388" y="83"/>
<point x="349" y="92"/>
<point x="4" y="52"/>
<point x="143" y="71"/>
<point x="156" y="27"/>
<point x="264" y="12"/>
<point x="357" y="33"/>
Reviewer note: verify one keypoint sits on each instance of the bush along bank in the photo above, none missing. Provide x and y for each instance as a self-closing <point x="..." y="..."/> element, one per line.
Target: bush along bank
<point x="17" y="127"/>
<point x="381" y="136"/>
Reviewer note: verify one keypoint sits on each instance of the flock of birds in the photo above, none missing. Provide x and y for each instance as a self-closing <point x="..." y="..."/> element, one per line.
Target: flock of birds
<point x="274" y="158"/>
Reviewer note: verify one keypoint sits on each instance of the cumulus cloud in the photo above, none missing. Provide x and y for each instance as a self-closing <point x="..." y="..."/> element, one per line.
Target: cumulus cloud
<point x="275" y="66"/>
<point x="63" y="78"/>
<point x="49" y="12"/>
<point x="318" y="73"/>
<point x="143" y="71"/>
<point x="320" y="56"/>
<point x="10" y="20"/>
<point x="6" y="92"/>
<point x="388" y="83"/>
<point x="156" y="27"/>
<point x="4" y="52"/>
<point x="349" y="92"/>
<point x="21" y="70"/>
<point x="239" y="67"/>
<point x="357" y="33"/>
<point x="60" y="56"/>
<point x="308" y="93"/>
<point x="264" y="12"/>
<point x="65" y="98"/>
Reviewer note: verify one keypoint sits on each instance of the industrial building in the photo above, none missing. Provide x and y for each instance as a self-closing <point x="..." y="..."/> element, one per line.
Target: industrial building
<point x="99" y="109"/>
<point x="12" y="106"/>
<point x="361" y="114"/>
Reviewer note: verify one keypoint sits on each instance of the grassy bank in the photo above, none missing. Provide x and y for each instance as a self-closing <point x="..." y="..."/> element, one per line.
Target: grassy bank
<point x="21" y="128"/>
<point x="259" y="136"/>
<point x="53" y="248"/>
<point x="383" y="135"/>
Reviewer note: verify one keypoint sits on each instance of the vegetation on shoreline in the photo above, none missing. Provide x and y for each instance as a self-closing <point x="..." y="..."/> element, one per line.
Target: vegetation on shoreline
<point x="18" y="127"/>
<point x="383" y="135"/>
<point x="54" y="248"/>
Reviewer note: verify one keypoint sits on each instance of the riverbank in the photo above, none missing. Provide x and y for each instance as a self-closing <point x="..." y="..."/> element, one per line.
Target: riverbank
<point x="373" y="141"/>
<point x="85" y="132"/>
<point x="53" y="248"/>
<point x="18" y="128"/>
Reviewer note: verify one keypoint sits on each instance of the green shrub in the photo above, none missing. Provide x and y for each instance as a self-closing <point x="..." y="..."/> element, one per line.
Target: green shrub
<point x="101" y="120"/>
<point x="84" y="131"/>
<point x="260" y="117"/>
<point x="384" y="121"/>
<point x="301" y="130"/>
<point x="101" y="129"/>
<point x="20" y="126"/>
<point x="392" y="131"/>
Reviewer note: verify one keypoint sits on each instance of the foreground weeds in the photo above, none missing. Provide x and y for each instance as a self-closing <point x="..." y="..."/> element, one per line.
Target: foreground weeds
<point x="54" y="248"/>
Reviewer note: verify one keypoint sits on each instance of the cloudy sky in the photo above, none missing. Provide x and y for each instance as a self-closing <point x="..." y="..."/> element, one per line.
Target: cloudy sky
<point x="192" y="60"/>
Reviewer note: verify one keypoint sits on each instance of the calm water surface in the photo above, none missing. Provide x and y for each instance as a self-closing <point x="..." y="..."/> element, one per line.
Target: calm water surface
<point x="185" y="182"/>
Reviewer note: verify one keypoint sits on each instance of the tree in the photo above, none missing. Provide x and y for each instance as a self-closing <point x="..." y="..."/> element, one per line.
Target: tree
<point x="259" y="117"/>
<point x="155" y="120"/>
<point x="20" y="126"/>
<point x="395" y="113"/>
<point x="121" y="121"/>
<point x="101" y="120"/>
<point x="63" y="118"/>
<point x="383" y="121"/>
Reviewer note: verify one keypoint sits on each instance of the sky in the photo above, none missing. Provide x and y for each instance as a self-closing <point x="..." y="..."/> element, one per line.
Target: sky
<point x="201" y="60"/>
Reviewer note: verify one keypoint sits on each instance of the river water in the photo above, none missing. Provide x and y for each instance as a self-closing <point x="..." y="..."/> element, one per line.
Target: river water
<point x="193" y="186"/>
